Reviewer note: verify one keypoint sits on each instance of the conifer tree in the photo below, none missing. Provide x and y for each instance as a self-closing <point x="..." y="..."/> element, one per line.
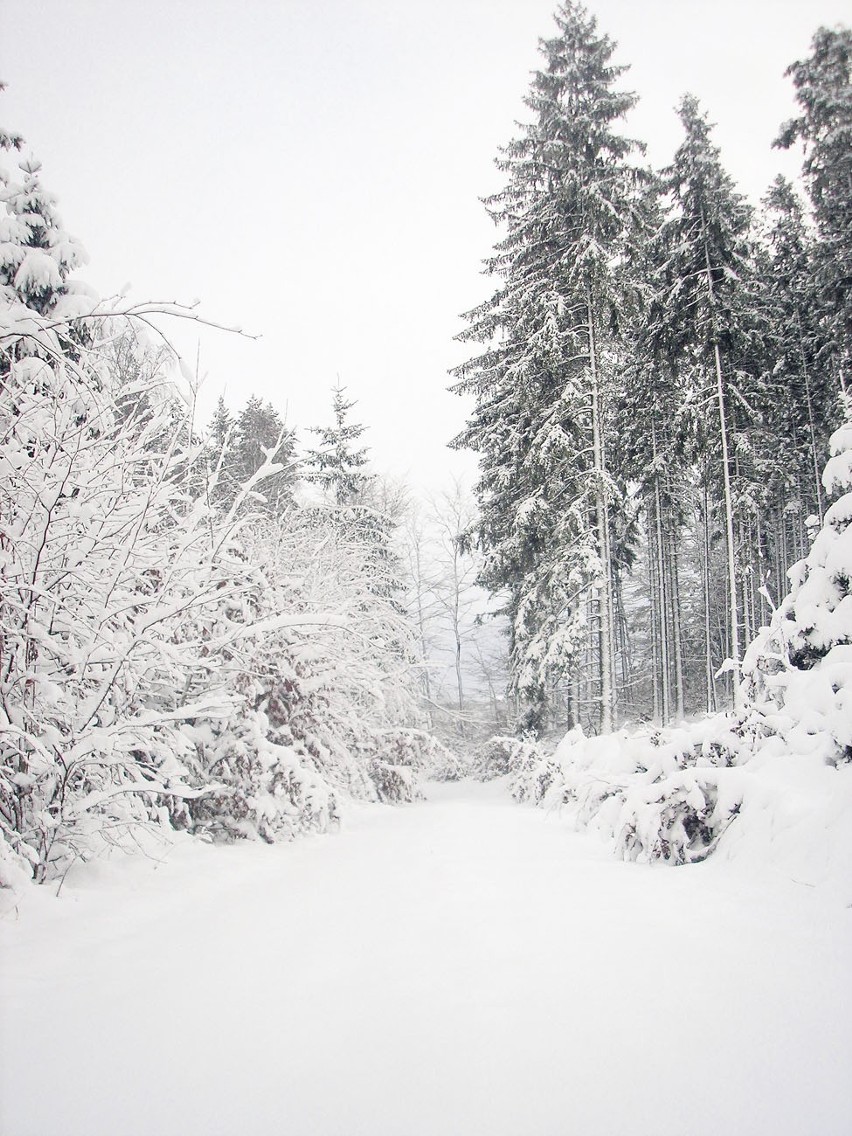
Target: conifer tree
<point x="338" y="464"/>
<point x="238" y="449"/>
<point x="706" y="314"/>
<point x="543" y="385"/>
<point x="804" y="405"/>
<point x="655" y="451"/>
<point x="38" y="254"/>
<point x="351" y="495"/>
<point x="221" y="425"/>
<point x="823" y="83"/>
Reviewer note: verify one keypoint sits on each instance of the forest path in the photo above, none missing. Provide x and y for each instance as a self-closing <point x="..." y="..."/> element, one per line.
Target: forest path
<point x="459" y="967"/>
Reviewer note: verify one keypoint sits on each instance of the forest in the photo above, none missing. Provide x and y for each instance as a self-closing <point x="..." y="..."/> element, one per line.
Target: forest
<point x="233" y="631"/>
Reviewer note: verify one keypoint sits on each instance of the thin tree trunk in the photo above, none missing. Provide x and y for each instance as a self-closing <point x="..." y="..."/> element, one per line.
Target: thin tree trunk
<point x="708" y="649"/>
<point x="745" y="588"/>
<point x="602" y="517"/>
<point x="726" y="481"/>
<point x="457" y="636"/>
<point x="653" y="612"/>
<point x="662" y="612"/>
<point x="421" y="630"/>
<point x="811" y="427"/>
<point x="623" y="641"/>
<point x="676" y="628"/>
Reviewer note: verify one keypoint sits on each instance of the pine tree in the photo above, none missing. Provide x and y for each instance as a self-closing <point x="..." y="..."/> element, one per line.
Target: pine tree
<point x="37" y="255"/>
<point x="804" y="404"/>
<point x="221" y="426"/>
<point x="238" y="448"/>
<point x="338" y="465"/>
<point x="654" y="452"/>
<point x="707" y="314"/>
<point x="798" y="675"/>
<point x="352" y="497"/>
<point x="824" y="93"/>
<point x="542" y="388"/>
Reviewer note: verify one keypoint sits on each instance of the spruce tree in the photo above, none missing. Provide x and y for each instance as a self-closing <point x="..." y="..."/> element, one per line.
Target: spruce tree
<point x="543" y="385"/>
<point x="37" y="252"/>
<point x="706" y="312"/>
<point x="238" y="449"/>
<point x="655" y="451"/>
<point x="352" y="506"/>
<point x="804" y="407"/>
<point x="823" y="86"/>
<point x="338" y="464"/>
<point x="37" y="255"/>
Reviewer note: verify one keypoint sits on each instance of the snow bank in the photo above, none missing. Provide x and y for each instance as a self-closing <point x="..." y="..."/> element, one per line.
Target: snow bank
<point x="678" y="795"/>
<point x="658" y="796"/>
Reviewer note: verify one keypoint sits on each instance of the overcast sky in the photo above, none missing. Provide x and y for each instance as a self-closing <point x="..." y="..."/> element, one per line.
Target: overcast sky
<point x="311" y="169"/>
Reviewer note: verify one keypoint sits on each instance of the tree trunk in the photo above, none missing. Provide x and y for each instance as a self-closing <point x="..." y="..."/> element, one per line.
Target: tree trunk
<point x="653" y="622"/>
<point x="811" y="427"/>
<point x="602" y="518"/>
<point x="665" y="676"/>
<point x="676" y="626"/>
<point x="705" y="568"/>
<point x="726" y="481"/>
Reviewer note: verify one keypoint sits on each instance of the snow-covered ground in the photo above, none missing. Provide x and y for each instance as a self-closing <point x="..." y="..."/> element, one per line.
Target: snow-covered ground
<point x="459" y="967"/>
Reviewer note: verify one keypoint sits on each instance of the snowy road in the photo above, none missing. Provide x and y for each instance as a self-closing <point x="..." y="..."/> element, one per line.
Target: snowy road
<point x="461" y="967"/>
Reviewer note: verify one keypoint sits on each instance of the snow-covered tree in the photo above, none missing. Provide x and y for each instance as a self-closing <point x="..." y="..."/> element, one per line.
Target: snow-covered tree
<point x="462" y="648"/>
<point x="338" y="464"/>
<point x="109" y="574"/>
<point x="823" y="84"/>
<point x="804" y="391"/>
<point x="36" y="252"/>
<point x="653" y="452"/>
<point x="354" y="502"/>
<point x="163" y="662"/>
<point x="707" y="316"/>
<point x="239" y="447"/>
<point x="799" y="670"/>
<point x="543" y="386"/>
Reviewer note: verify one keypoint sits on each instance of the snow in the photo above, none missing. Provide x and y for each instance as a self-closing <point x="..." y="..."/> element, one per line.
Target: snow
<point x="459" y="965"/>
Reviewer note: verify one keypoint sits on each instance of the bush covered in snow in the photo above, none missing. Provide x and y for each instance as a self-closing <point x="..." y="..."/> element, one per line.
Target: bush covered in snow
<point x="656" y="794"/>
<point x="532" y="770"/>
<point x="420" y="751"/>
<point x="255" y="788"/>
<point x="493" y="758"/>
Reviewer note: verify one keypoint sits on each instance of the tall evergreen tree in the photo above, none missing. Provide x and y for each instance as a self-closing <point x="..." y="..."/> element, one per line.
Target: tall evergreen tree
<point x="542" y="387"/>
<point x="655" y="451"/>
<point x="706" y="313"/>
<point x="221" y="425"/>
<point x="823" y="83"/>
<point x="804" y="405"/>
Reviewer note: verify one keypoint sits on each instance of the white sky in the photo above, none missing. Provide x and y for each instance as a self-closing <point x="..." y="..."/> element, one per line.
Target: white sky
<point x="310" y="169"/>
